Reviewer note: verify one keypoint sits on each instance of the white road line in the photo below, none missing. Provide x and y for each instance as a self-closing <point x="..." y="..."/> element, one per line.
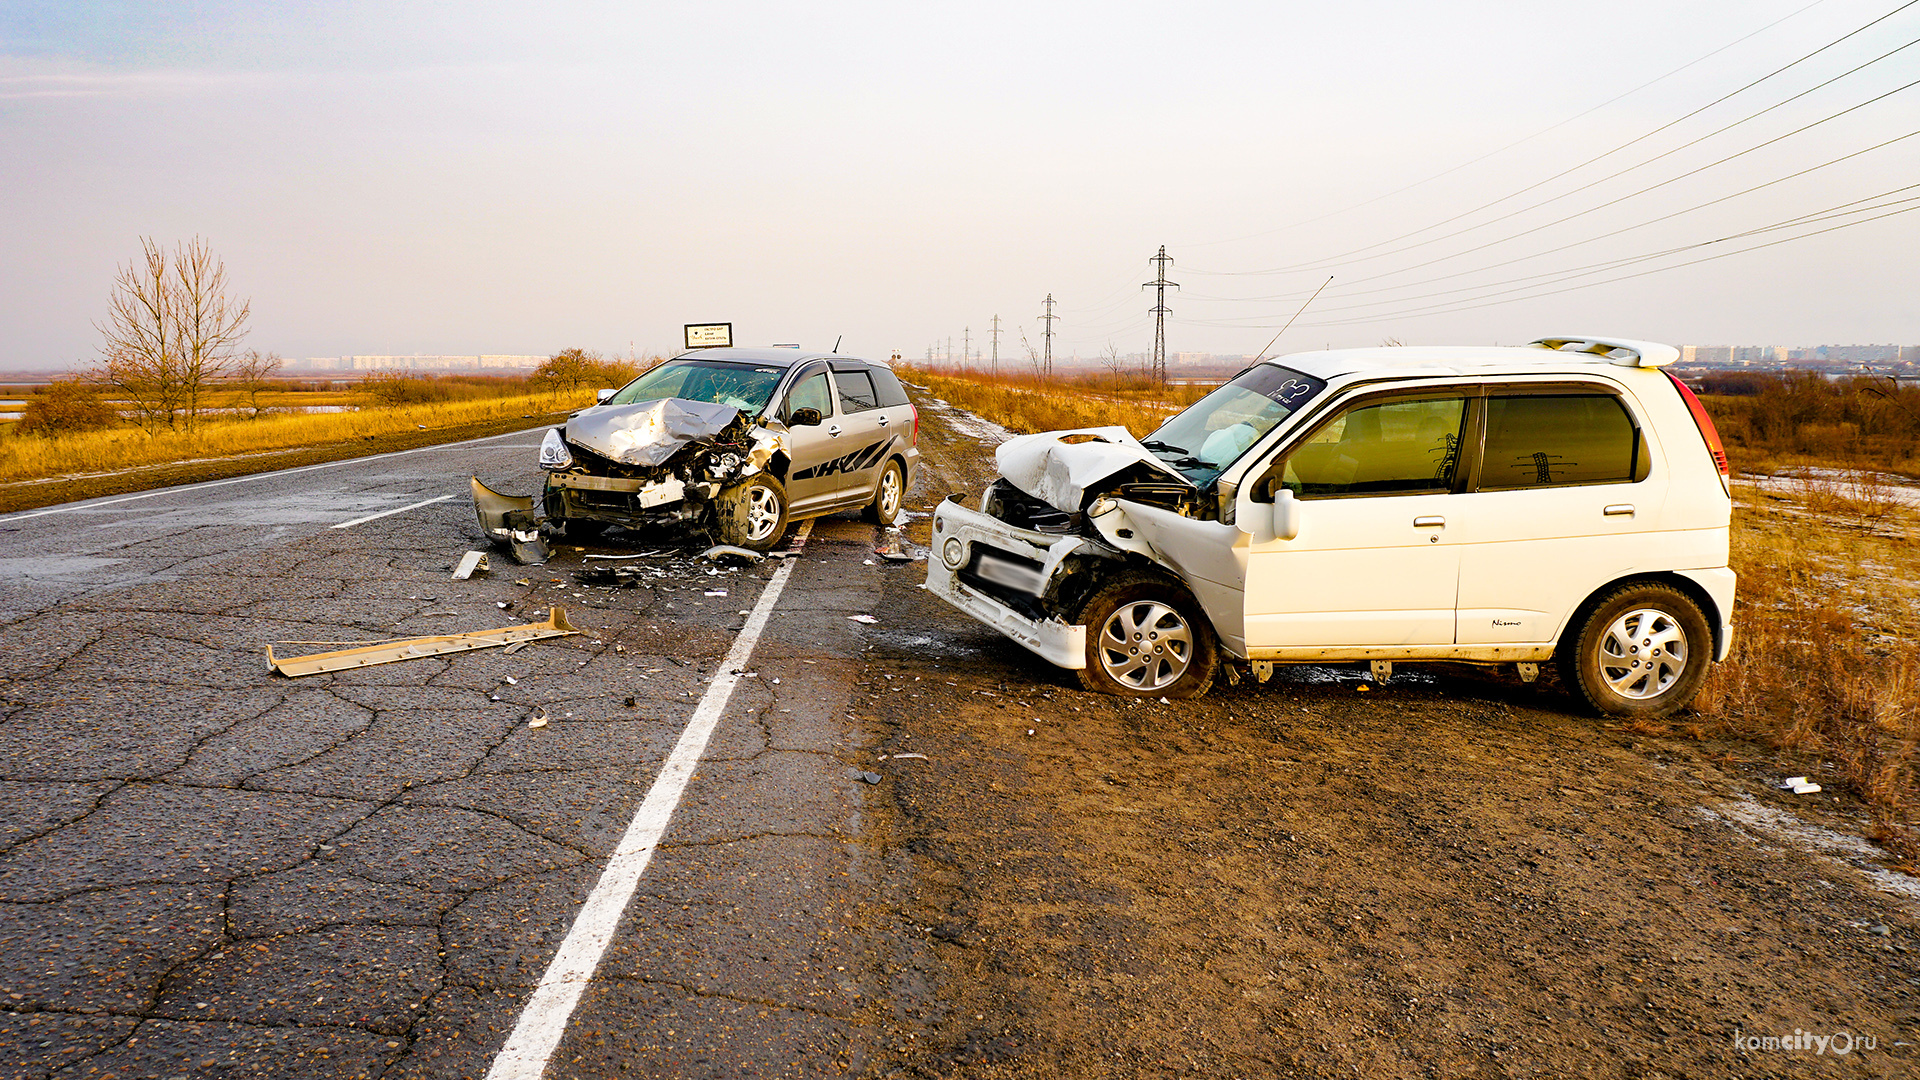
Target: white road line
<point x="544" y="1020"/>
<point x="388" y="513"/>
<point x="88" y="504"/>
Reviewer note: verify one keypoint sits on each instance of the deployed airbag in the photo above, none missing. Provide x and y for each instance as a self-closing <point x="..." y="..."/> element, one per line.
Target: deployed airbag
<point x="1065" y="469"/>
<point x="647" y="433"/>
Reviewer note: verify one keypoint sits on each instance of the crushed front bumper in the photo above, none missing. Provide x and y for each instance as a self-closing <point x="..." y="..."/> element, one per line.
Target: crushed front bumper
<point x="575" y="496"/>
<point x="961" y="537"/>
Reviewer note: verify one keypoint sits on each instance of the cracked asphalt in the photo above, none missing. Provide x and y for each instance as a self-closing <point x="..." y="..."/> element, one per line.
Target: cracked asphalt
<point x="209" y="869"/>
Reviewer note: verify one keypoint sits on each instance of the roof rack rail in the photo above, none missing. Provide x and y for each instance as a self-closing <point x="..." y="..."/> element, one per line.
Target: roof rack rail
<point x="1648" y="354"/>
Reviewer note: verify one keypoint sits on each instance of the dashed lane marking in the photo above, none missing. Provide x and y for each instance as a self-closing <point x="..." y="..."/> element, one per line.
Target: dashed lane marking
<point x="389" y="513"/>
<point x="525" y="1055"/>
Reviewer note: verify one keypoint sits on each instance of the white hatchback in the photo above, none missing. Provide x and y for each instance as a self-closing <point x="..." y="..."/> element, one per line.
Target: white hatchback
<point x="1566" y="500"/>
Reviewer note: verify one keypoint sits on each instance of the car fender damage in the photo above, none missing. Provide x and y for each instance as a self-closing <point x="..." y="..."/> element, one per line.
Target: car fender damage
<point x="1067" y="469"/>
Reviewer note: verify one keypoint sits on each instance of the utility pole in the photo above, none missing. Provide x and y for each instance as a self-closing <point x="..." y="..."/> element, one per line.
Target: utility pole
<point x="996" y="346"/>
<point x="966" y="346"/>
<point x="1047" y="364"/>
<point x="1160" y="312"/>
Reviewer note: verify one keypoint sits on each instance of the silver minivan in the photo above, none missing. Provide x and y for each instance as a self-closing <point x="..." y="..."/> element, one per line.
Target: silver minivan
<point x="742" y="440"/>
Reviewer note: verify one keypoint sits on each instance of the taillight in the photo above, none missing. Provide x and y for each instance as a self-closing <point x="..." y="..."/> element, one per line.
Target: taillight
<point x="1707" y="431"/>
<point x="916" y="424"/>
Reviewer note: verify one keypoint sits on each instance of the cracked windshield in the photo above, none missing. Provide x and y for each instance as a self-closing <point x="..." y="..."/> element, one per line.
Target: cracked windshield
<point x="1202" y="441"/>
<point x="744" y="388"/>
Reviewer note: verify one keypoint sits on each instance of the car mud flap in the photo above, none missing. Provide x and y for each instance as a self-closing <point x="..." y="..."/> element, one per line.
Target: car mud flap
<point x="511" y="520"/>
<point x="416" y="648"/>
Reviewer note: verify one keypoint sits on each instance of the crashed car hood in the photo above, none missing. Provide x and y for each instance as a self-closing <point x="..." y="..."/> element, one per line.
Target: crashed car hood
<point x="647" y="433"/>
<point x="1066" y="468"/>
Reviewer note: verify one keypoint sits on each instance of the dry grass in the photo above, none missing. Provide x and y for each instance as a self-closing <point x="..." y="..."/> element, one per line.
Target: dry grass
<point x="1025" y="405"/>
<point x="1825" y="661"/>
<point x="28" y="457"/>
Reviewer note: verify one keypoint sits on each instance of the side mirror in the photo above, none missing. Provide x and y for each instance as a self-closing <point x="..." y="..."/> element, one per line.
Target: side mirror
<point x="1286" y="515"/>
<point x="804" y="416"/>
<point x="600" y="396"/>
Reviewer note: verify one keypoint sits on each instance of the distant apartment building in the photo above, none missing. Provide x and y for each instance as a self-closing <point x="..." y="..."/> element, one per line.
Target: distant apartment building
<point x="482" y="362"/>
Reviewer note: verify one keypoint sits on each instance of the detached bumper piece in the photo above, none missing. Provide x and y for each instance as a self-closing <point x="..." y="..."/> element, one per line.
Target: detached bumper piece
<point x="416" y="648"/>
<point x="512" y="520"/>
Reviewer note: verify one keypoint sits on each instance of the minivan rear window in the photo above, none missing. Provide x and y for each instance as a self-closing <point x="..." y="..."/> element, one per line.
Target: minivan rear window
<point x="1558" y="440"/>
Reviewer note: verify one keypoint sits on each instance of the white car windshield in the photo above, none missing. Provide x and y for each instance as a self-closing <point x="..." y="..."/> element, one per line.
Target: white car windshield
<point x="744" y="386"/>
<point x="1210" y="434"/>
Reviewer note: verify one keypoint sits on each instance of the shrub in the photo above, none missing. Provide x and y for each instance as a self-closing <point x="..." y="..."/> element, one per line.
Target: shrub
<point x="64" y="407"/>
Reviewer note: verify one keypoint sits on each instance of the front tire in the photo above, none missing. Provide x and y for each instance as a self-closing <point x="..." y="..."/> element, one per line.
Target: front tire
<point x="887" y="494"/>
<point x="1146" y="637"/>
<point x="1641" y="652"/>
<point x="753" y="514"/>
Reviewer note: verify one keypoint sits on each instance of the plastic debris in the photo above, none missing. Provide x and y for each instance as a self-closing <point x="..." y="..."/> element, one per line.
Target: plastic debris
<point x="538" y="720"/>
<point x="511" y="681"/>
<point x="728" y="551"/>
<point x="514" y="648"/>
<point x="867" y="619"/>
<point x="914" y="757"/>
<point x="471" y="561"/>
<point x="1800" y="785"/>
<point x="642" y="555"/>
<point x="864" y="775"/>
<point x="716" y="592"/>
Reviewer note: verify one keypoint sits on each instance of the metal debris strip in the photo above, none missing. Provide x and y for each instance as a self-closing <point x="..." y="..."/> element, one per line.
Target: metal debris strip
<point x="416" y="648"/>
<point x="471" y="561"/>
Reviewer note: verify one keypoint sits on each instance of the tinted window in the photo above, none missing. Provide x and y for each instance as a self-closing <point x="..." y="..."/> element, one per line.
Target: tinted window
<point x="1558" y="440"/>
<point x="856" y="391"/>
<point x="1399" y="447"/>
<point x="811" y="393"/>
<point x="887" y="385"/>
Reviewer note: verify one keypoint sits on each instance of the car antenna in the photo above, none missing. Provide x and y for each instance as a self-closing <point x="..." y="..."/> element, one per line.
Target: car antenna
<point x="836" y="343"/>
<point x="1297" y="314"/>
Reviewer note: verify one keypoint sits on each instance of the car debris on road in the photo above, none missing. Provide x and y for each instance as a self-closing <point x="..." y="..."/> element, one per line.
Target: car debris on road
<point x="556" y="625"/>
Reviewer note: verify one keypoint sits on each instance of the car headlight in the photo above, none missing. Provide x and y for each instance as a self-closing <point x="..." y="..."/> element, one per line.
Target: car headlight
<point x="553" y="451"/>
<point x="953" y="552"/>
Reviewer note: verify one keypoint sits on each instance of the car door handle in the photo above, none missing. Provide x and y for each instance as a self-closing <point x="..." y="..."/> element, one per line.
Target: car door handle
<point x="1429" y="521"/>
<point x="834" y="431"/>
<point x="1619" y="510"/>
<point x="883" y="421"/>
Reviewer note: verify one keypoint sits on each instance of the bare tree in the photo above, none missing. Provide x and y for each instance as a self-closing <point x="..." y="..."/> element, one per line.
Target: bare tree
<point x="171" y="330"/>
<point x="253" y="373"/>
<point x="1115" y="366"/>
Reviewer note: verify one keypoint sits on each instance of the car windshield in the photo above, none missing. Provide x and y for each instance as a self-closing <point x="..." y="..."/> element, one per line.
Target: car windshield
<point x="744" y="386"/>
<point x="1211" y="433"/>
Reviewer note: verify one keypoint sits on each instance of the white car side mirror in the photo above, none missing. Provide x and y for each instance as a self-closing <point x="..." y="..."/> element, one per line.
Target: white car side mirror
<point x="600" y="396"/>
<point x="1286" y="515"/>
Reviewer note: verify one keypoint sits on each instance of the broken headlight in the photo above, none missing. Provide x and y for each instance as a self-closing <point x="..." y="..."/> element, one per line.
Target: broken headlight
<point x="553" y="451"/>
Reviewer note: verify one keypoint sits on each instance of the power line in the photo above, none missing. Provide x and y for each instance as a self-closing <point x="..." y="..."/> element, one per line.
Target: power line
<point x="1442" y="310"/>
<point x="1332" y="260"/>
<point x="1517" y="142"/>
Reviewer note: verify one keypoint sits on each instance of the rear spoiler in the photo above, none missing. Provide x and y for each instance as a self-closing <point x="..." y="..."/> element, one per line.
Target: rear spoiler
<point x="1647" y="354"/>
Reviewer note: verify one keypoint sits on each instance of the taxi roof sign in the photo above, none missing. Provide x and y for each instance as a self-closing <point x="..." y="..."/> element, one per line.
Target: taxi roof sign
<point x="709" y="335"/>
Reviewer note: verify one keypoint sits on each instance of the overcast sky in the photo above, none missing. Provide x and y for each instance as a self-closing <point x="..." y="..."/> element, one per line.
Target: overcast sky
<point x="487" y="178"/>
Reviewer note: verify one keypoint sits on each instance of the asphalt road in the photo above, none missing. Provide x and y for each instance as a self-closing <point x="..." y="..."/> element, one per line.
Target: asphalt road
<point x="209" y="869"/>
